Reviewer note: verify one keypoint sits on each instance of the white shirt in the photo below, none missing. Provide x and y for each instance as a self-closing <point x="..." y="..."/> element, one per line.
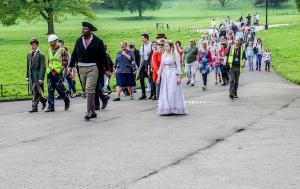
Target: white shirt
<point x="90" y="40"/>
<point x="145" y="51"/>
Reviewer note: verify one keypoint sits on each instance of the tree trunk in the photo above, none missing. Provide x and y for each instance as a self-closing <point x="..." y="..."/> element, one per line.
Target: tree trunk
<point x="140" y="12"/>
<point x="50" y="22"/>
<point x="50" y="27"/>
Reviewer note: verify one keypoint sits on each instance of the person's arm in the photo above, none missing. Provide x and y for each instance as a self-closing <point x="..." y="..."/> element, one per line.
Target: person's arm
<point x="227" y="54"/>
<point x="178" y="68"/>
<point x="27" y="69"/>
<point x="42" y="68"/>
<point x="74" y="57"/>
<point x="127" y="55"/>
<point x="160" y="70"/>
<point x="103" y="56"/>
<point x="244" y="58"/>
<point x="141" y="55"/>
<point x="154" y="61"/>
<point x="183" y="58"/>
<point x="65" y="58"/>
<point x="198" y="57"/>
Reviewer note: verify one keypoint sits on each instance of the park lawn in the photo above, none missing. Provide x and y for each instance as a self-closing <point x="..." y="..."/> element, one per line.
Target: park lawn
<point x="115" y="26"/>
<point x="284" y="44"/>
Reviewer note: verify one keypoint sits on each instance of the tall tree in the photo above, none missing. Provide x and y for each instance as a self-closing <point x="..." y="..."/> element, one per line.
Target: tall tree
<point x="274" y="3"/>
<point x="50" y="10"/>
<point x="138" y="5"/>
<point x="223" y="2"/>
<point x="298" y="4"/>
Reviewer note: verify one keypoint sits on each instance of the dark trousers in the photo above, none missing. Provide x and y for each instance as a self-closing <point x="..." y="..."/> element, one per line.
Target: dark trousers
<point x="153" y="85"/>
<point x="99" y="93"/>
<point x="71" y="84"/>
<point x="204" y="78"/>
<point x="234" y="75"/>
<point x="267" y="68"/>
<point x="157" y="91"/>
<point x="56" y="83"/>
<point x="37" y="94"/>
<point x="142" y="81"/>
<point x="224" y="73"/>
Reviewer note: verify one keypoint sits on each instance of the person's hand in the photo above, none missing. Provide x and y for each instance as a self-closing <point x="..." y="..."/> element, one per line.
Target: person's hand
<point x="148" y="74"/>
<point x="178" y="80"/>
<point x="158" y="81"/>
<point x="41" y="82"/>
<point x="108" y="73"/>
<point x="124" y="53"/>
<point x="69" y="70"/>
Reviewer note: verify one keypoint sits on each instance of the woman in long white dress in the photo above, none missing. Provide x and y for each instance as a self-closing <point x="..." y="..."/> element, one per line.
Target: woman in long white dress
<point x="171" y="98"/>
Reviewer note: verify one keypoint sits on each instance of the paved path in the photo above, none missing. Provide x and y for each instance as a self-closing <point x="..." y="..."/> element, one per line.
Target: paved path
<point x="257" y="28"/>
<point x="252" y="142"/>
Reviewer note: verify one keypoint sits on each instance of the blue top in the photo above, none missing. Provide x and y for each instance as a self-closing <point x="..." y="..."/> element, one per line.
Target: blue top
<point x="204" y="62"/>
<point x="123" y="64"/>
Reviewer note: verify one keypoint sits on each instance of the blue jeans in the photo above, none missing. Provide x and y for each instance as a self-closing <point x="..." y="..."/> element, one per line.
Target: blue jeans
<point x="71" y="84"/>
<point x="250" y="61"/>
<point x="56" y="83"/>
<point x="258" y="61"/>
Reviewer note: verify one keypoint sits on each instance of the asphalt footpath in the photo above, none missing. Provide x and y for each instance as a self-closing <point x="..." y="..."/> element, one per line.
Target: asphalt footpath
<point x="252" y="142"/>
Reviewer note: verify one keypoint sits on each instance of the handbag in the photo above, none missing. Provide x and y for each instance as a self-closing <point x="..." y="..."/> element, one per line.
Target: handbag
<point x="255" y="50"/>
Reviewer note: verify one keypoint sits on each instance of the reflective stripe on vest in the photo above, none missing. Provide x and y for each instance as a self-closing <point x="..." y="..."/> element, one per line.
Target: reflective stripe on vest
<point x="55" y="61"/>
<point x="231" y="54"/>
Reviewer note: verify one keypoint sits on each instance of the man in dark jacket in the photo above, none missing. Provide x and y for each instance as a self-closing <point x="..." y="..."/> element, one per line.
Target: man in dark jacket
<point x="36" y="69"/>
<point x="90" y="56"/>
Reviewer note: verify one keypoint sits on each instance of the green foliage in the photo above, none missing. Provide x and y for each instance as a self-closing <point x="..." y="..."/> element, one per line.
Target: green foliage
<point x="298" y="4"/>
<point x="138" y="5"/>
<point x="223" y="2"/>
<point x="274" y="3"/>
<point x="50" y="10"/>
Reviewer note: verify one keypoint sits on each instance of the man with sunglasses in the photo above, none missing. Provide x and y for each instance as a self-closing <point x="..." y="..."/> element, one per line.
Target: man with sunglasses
<point x="91" y="58"/>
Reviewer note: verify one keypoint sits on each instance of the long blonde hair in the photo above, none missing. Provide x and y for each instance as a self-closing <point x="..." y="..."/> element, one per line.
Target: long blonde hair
<point x="173" y="52"/>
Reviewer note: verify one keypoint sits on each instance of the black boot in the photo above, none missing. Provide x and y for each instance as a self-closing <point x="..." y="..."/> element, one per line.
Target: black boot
<point x="104" y="103"/>
<point x="34" y="109"/>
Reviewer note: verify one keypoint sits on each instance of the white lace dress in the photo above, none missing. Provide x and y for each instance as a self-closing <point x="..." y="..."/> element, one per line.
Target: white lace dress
<point x="171" y="98"/>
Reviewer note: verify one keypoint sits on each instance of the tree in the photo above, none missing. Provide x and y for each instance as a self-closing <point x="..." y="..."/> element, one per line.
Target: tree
<point x="49" y="10"/>
<point x="138" y="5"/>
<point x="298" y="4"/>
<point x="273" y="3"/>
<point x="223" y="2"/>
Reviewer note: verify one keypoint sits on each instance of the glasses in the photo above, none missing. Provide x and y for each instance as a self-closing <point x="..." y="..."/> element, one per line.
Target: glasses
<point x="161" y="44"/>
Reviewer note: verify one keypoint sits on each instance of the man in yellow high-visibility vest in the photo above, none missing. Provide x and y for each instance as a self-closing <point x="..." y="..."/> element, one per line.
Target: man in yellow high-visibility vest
<point x="236" y="58"/>
<point x="54" y="73"/>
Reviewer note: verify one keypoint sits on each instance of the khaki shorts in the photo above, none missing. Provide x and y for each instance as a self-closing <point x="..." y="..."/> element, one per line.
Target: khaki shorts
<point x="89" y="78"/>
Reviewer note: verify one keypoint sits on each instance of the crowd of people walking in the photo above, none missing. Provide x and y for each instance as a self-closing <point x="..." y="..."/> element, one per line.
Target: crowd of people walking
<point x="157" y="64"/>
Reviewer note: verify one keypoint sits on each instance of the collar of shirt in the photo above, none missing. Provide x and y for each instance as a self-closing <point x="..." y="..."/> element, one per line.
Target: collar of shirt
<point x="83" y="41"/>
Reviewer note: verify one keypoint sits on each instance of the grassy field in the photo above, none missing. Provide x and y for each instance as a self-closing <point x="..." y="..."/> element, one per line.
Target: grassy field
<point x="115" y="26"/>
<point x="285" y="44"/>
